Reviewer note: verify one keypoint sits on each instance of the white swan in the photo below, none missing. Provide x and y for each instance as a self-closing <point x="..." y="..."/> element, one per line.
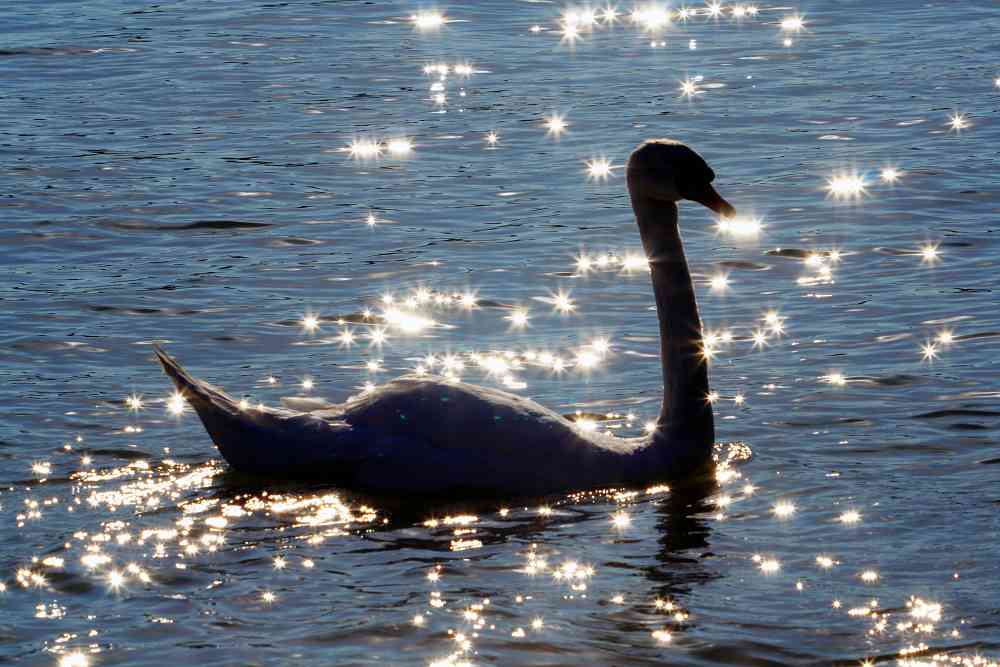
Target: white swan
<point x="430" y="435"/>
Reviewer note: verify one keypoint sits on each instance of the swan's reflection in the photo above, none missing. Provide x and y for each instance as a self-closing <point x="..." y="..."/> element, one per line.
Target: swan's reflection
<point x="683" y="545"/>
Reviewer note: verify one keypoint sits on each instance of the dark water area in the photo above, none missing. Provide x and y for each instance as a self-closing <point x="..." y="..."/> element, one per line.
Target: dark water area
<point x="182" y="173"/>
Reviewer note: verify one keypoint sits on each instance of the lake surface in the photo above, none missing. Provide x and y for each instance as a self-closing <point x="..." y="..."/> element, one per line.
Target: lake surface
<point x="182" y="173"/>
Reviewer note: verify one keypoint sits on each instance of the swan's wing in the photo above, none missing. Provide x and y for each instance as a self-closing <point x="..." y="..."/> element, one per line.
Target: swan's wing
<point x="458" y="416"/>
<point x="307" y="403"/>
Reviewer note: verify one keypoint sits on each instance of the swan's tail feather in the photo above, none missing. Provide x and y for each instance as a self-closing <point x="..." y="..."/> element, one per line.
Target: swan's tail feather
<point x="202" y="396"/>
<point x="219" y="413"/>
<point x="258" y="440"/>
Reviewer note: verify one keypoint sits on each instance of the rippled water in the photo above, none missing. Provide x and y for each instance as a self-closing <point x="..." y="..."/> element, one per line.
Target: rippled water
<point x="179" y="172"/>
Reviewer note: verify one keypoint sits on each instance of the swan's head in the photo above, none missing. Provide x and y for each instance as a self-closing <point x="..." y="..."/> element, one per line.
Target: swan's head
<point x="667" y="170"/>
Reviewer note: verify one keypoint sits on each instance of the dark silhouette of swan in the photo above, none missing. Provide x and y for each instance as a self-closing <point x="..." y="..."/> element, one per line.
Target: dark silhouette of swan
<point x="430" y="435"/>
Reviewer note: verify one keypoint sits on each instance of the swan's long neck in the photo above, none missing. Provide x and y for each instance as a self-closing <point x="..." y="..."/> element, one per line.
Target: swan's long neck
<point x="686" y="413"/>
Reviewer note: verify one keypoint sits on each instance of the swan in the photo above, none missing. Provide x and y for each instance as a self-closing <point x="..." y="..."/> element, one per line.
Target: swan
<point x="429" y="435"/>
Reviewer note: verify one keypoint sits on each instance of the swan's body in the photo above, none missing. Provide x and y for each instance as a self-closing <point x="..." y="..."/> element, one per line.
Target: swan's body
<point x="431" y="435"/>
<point x="420" y="434"/>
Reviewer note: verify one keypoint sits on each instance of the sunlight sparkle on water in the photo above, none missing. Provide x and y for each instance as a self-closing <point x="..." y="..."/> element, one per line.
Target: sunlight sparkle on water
<point x="345" y="337"/>
<point x="400" y="147"/>
<point x="814" y="260"/>
<point x="176" y="404"/>
<point x="929" y="351"/>
<point x="75" y="659"/>
<point x="792" y="23"/>
<point x="599" y="169"/>
<point x="651" y="17"/>
<point x="600" y="346"/>
<point x="570" y="32"/>
<point x="115" y="580"/>
<point x="562" y="302"/>
<point x="759" y="338"/>
<point x="310" y="323"/>
<point x="621" y="520"/>
<point x="134" y="402"/>
<point x="836" y="379"/>
<point x="556" y="124"/>
<point x="775" y="321"/>
<point x="492" y="138"/>
<point x="783" y="509"/>
<point x="689" y="88"/>
<point x="846" y="185"/>
<point x="406" y="322"/>
<point x="519" y="318"/>
<point x="769" y="565"/>
<point x="739" y="227"/>
<point x="958" y="121"/>
<point x="377" y="338"/>
<point x="929" y="253"/>
<point x="365" y="149"/>
<point x="662" y="636"/>
<point x="632" y="262"/>
<point x="850" y="516"/>
<point x="720" y="282"/>
<point x="428" y="20"/>
<point x="609" y="15"/>
<point x="890" y="175"/>
<point x="583" y="18"/>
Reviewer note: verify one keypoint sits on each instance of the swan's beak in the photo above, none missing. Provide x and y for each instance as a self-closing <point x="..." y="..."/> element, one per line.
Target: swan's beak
<point x="708" y="197"/>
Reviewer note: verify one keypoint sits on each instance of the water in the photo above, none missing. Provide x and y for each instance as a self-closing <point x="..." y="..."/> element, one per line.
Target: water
<point x="177" y="172"/>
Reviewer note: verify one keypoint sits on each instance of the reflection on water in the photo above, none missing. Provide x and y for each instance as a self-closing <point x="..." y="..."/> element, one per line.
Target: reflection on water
<point x="305" y="200"/>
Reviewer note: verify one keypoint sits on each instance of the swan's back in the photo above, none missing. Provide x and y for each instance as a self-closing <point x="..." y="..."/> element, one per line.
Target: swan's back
<point x="450" y="414"/>
<point x="460" y="435"/>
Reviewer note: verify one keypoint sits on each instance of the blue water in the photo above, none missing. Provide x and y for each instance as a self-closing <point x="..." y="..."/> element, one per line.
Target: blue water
<point x="178" y="173"/>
